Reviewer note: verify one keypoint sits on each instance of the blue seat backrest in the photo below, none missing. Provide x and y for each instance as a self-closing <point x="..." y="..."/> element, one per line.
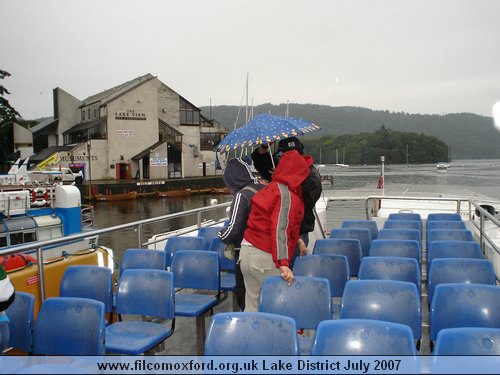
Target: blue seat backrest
<point x="182" y="243"/>
<point x="251" y="333"/>
<point x="69" y="326"/>
<point x="197" y="270"/>
<point x="143" y="258"/>
<point x="226" y="264"/>
<point x="146" y="292"/>
<point x="21" y="316"/>
<point x="390" y="268"/>
<point x="208" y="234"/>
<point x="459" y="270"/>
<point x="308" y="300"/>
<point x="390" y="300"/>
<point x="400" y="248"/>
<point x="401" y="234"/>
<point x="468" y="341"/>
<point x="443" y="217"/>
<point x="403" y="224"/>
<point x="363" y="337"/>
<point x="453" y="249"/>
<point x="405" y="216"/>
<point x="335" y="268"/>
<point x="88" y="281"/>
<point x="371" y="225"/>
<point x="349" y="247"/>
<point x="464" y="305"/>
<point x="449" y="235"/>
<point x="361" y="234"/>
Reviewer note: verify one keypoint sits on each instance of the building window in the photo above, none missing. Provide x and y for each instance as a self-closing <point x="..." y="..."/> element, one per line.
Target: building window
<point x="95" y="112"/>
<point x="83" y="115"/>
<point x="208" y="141"/>
<point x="188" y="114"/>
<point x="88" y="112"/>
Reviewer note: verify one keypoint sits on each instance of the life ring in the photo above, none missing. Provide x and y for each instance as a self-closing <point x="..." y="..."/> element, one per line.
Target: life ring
<point x="39" y="196"/>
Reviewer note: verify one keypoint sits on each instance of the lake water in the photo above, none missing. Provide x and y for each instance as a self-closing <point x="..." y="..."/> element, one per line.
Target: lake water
<point x="481" y="176"/>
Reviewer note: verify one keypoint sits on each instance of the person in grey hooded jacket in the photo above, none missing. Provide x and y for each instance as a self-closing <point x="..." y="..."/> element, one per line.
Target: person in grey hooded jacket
<point x="243" y="185"/>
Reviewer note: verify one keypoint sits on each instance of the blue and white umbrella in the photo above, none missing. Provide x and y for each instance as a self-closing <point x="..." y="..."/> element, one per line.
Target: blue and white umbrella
<point x="264" y="128"/>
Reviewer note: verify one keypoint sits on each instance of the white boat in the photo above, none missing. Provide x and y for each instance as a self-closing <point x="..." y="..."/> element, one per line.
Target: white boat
<point x="480" y="214"/>
<point x="442" y="166"/>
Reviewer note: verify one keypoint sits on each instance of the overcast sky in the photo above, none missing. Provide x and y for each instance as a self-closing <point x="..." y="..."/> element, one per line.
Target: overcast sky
<point x="417" y="56"/>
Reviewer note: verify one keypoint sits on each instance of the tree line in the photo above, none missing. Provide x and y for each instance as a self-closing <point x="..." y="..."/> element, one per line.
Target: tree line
<point x="367" y="148"/>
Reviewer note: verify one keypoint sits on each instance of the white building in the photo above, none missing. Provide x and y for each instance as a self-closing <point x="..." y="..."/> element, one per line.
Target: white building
<point x="140" y="129"/>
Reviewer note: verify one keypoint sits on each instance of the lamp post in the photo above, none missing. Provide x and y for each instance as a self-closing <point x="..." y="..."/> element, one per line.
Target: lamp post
<point x="90" y="162"/>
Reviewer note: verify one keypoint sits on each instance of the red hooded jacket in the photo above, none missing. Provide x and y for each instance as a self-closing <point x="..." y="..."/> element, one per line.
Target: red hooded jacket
<point x="277" y="210"/>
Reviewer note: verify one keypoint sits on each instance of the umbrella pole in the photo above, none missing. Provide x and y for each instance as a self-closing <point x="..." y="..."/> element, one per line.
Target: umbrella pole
<point x="271" y="156"/>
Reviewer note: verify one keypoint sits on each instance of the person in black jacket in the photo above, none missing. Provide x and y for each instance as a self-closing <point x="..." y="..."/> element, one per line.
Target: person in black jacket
<point x="311" y="187"/>
<point x="243" y="185"/>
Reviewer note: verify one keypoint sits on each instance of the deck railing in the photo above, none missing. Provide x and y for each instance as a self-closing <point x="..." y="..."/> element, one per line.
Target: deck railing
<point x="137" y="225"/>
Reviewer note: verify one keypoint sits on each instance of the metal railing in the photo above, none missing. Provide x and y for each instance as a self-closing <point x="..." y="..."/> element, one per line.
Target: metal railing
<point x="137" y="225"/>
<point x="473" y="209"/>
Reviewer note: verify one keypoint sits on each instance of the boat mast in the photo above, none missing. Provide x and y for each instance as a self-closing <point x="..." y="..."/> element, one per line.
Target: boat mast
<point x="246" y="107"/>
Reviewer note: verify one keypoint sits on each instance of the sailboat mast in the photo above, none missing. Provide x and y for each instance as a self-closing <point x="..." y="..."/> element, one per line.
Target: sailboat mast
<point x="246" y="107"/>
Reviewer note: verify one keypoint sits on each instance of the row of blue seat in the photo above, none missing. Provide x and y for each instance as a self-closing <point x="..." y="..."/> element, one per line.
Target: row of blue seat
<point x="145" y="292"/>
<point x="274" y="334"/>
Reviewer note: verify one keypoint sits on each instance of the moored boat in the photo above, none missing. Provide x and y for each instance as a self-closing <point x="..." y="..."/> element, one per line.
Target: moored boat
<point x="173" y="193"/>
<point x="116" y="197"/>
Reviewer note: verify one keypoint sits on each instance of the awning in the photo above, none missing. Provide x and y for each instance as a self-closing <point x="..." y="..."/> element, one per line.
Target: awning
<point x="146" y="152"/>
<point x="85" y="125"/>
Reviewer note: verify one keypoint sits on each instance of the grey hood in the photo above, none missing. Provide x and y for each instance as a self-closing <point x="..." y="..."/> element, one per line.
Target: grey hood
<point x="237" y="175"/>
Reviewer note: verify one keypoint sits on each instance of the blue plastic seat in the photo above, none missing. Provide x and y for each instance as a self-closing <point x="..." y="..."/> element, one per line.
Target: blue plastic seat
<point x="21" y="316"/>
<point x="371" y="225"/>
<point x="208" y="234"/>
<point x="468" y="341"/>
<point x="196" y="270"/>
<point x="403" y="224"/>
<point x="363" y="337"/>
<point x="251" y="333"/>
<point x="446" y="224"/>
<point x="443" y="217"/>
<point x="227" y="266"/>
<point x="332" y="267"/>
<point x="141" y="292"/>
<point x="453" y="249"/>
<point x="361" y="234"/>
<point x="87" y="281"/>
<point x="401" y="234"/>
<point x="459" y="270"/>
<point x="390" y="268"/>
<point x="390" y="300"/>
<point x="351" y="248"/>
<point x="464" y="305"/>
<point x="406" y="216"/>
<point x="308" y="301"/>
<point x="182" y="243"/>
<point x="143" y="259"/>
<point x="397" y="248"/>
<point x="69" y="326"/>
<point x="449" y="235"/>
<point x="227" y="271"/>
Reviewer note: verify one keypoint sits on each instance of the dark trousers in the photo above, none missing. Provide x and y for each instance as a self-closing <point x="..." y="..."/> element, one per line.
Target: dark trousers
<point x="305" y="238"/>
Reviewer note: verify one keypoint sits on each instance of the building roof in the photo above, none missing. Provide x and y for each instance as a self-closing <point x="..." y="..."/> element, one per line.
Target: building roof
<point x="146" y="152"/>
<point x="85" y="125"/>
<point x="44" y="124"/>
<point x="45" y="153"/>
<point x="114" y="92"/>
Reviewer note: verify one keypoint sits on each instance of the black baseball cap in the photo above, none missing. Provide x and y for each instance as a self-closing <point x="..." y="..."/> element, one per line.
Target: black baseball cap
<point x="291" y="143"/>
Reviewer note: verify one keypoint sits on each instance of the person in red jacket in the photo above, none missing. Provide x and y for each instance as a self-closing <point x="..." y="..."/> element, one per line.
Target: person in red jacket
<point x="273" y="226"/>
